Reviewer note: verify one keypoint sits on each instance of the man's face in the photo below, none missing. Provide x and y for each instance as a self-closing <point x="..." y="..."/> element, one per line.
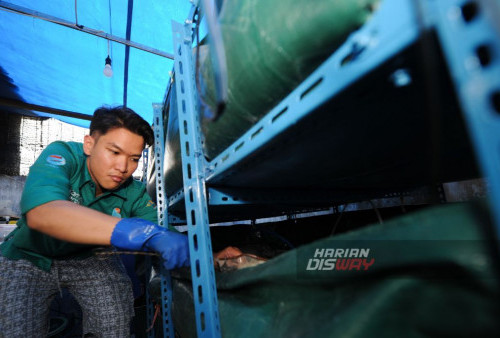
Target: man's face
<point x="112" y="157"/>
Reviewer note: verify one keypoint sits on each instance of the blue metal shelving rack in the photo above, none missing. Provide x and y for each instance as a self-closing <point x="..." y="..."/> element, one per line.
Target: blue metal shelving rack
<point x="165" y="279"/>
<point x="382" y="38"/>
<point x="193" y="168"/>
<point x="469" y="37"/>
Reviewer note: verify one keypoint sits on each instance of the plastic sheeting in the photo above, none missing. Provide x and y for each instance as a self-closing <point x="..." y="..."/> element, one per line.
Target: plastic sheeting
<point x="434" y="273"/>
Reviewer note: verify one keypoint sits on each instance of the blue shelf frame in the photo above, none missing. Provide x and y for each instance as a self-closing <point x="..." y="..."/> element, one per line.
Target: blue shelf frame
<point x="471" y="41"/>
<point x="394" y="28"/>
<point x="193" y="169"/>
<point x="396" y="25"/>
<point x="162" y="210"/>
<point x="466" y="32"/>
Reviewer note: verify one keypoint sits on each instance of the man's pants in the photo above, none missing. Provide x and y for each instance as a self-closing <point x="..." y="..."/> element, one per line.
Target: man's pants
<point x="100" y="285"/>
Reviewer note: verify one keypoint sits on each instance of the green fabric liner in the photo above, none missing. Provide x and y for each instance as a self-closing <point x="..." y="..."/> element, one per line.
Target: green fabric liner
<point x="435" y="273"/>
<point x="271" y="47"/>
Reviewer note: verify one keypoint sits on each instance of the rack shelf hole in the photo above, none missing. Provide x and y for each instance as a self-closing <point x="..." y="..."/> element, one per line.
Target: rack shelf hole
<point x="495" y="101"/>
<point x="311" y="87"/>
<point x="470" y="11"/>
<point x="256" y="133"/>
<point x="277" y="116"/>
<point x="483" y="53"/>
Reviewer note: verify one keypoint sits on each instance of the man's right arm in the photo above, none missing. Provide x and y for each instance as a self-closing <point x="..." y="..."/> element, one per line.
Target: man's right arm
<point x="46" y="199"/>
<point x="71" y="222"/>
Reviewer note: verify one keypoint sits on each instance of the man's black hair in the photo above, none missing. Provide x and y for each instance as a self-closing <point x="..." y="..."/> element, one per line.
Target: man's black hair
<point x="107" y="118"/>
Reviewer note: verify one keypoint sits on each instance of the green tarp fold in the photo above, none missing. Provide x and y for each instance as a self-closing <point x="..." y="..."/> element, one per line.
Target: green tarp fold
<point x="434" y="273"/>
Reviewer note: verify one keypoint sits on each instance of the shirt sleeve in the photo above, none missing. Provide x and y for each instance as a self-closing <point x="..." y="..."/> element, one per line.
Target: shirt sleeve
<point x="49" y="177"/>
<point x="144" y="207"/>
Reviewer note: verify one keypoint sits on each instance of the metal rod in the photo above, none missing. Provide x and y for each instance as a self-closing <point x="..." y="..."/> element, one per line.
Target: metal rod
<point x="218" y="55"/>
<point x="43" y="109"/>
<point x="68" y="24"/>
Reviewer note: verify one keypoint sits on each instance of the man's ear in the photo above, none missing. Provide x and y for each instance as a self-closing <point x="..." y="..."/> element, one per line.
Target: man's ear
<point x="88" y="144"/>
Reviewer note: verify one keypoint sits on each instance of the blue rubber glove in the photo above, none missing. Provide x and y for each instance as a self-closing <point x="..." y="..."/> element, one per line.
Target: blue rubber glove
<point x="141" y="235"/>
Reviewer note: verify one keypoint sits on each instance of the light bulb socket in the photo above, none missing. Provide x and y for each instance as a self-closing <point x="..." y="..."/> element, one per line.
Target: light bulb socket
<point x="108" y="61"/>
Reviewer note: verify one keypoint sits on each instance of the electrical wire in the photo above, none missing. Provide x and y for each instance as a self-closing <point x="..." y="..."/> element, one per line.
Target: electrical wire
<point x="205" y="105"/>
<point x="60" y="328"/>
<point x="218" y="57"/>
<point x="403" y="209"/>
<point x="98" y="33"/>
<point x="110" y="27"/>
<point x="338" y="219"/>
<point x="377" y="212"/>
<point x="76" y="13"/>
<point x="157" y="311"/>
<point x="274" y="234"/>
<point x="62" y="23"/>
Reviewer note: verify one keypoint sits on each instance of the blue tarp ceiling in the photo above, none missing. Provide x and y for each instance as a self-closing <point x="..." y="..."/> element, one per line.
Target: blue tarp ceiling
<point x="49" y="65"/>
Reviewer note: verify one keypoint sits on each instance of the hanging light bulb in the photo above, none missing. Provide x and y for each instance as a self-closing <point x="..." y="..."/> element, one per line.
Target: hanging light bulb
<point x="108" y="71"/>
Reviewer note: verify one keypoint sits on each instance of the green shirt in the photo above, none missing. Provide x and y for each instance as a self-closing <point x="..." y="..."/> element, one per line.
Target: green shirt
<point x="60" y="173"/>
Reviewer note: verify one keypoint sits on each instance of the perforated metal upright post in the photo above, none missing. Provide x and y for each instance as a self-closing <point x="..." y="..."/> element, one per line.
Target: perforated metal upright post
<point x="193" y="167"/>
<point x="166" y="282"/>
<point x="145" y="159"/>
<point x="149" y="303"/>
<point x="469" y="35"/>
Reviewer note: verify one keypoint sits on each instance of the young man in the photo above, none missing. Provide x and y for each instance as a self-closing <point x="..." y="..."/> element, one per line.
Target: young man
<point x="77" y="197"/>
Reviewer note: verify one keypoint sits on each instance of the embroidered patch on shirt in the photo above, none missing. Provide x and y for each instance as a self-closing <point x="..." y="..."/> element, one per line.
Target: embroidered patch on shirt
<point x="151" y="204"/>
<point x="75" y="197"/>
<point x="116" y="212"/>
<point x="56" y="160"/>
